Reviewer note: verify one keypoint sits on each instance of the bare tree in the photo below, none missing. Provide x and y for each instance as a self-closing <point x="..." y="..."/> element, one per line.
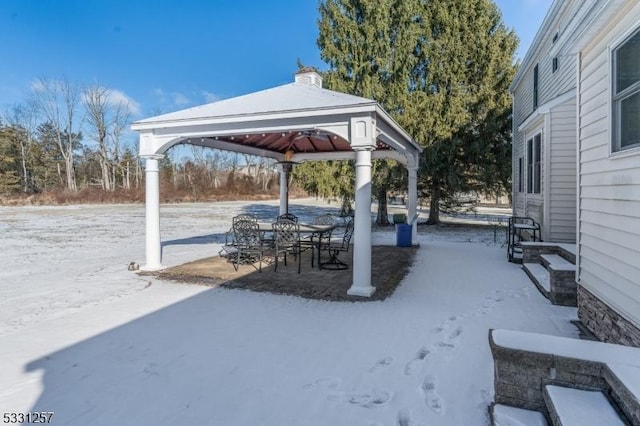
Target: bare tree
<point x="107" y="120"/>
<point x="57" y="101"/>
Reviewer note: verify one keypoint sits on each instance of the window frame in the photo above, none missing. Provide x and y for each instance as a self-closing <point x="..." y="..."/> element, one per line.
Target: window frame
<point x="520" y="175"/>
<point x="534" y="163"/>
<point x="618" y="98"/>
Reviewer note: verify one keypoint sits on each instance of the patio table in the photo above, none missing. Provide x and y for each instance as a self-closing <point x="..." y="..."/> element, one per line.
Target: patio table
<point x="309" y="229"/>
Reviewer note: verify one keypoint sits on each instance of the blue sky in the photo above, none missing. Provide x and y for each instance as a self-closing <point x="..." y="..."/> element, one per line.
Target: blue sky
<point x="166" y="55"/>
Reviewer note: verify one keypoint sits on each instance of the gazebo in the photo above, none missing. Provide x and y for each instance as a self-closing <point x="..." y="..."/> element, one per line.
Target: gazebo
<point x="291" y="123"/>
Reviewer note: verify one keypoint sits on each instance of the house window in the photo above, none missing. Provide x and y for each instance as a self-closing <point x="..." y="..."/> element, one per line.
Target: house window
<point x="535" y="88"/>
<point x="554" y="65"/>
<point x="534" y="164"/>
<point x="520" y="175"/>
<point x="626" y="94"/>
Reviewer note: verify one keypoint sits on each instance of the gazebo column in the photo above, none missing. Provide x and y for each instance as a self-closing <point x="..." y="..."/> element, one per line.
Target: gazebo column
<point x="284" y="189"/>
<point x="361" y="285"/>
<point x="152" y="206"/>
<point x="412" y="202"/>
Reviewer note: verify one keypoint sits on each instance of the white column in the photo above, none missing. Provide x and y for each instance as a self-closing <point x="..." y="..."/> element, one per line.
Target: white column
<point x="152" y="200"/>
<point x="412" y="202"/>
<point x="361" y="285"/>
<point x="283" y="189"/>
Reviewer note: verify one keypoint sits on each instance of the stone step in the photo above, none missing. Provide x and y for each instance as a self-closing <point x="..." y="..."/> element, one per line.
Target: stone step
<point x="624" y="381"/>
<point x="540" y="277"/>
<point x="557" y="262"/>
<point x="575" y="407"/>
<point x="504" y="415"/>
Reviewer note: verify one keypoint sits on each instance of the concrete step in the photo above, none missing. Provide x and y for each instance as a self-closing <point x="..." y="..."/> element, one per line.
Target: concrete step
<point x="504" y="415"/>
<point x="556" y="262"/>
<point x="575" y="407"/>
<point x="540" y="277"/>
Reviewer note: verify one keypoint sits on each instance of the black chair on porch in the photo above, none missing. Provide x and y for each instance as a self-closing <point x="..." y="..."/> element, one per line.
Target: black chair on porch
<point x="334" y="248"/>
<point x="287" y="241"/>
<point x="248" y="244"/>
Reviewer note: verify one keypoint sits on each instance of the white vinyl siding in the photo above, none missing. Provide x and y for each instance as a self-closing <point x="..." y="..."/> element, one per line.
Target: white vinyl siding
<point x="557" y="218"/>
<point x="609" y="214"/>
<point x="562" y="174"/>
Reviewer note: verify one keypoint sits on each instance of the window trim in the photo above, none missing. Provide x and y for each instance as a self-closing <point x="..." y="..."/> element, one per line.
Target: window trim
<point x="533" y="151"/>
<point x="616" y="99"/>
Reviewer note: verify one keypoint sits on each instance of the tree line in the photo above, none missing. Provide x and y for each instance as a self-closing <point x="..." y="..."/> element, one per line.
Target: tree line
<point x="73" y="139"/>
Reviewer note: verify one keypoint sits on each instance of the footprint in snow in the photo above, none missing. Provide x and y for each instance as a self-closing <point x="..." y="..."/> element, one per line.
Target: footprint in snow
<point x="413" y="365"/>
<point x="431" y="397"/>
<point x="330" y="383"/>
<point x="381" y="363"/>
<point x="369" y="399"/>
<point x="404" y="418"/>
<point x="455" y="333"/>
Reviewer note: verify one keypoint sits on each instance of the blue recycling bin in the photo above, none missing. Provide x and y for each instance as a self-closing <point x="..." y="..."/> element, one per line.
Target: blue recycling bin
<point x="403" y="235"/>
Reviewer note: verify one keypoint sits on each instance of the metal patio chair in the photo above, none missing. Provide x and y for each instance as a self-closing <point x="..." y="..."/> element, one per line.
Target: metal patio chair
<point x="334" y="248"/>
<point x="247" y="243"/>
<point x="289" y="216"/>
<point x="287" y="241"/>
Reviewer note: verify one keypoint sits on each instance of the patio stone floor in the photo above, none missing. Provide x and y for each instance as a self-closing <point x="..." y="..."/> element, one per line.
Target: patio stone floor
<point x="390" y="264"/>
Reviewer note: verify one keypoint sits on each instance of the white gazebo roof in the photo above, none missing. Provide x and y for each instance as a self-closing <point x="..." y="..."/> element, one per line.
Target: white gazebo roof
<point x="294" y="122"/>
<point x="299" y="117"/>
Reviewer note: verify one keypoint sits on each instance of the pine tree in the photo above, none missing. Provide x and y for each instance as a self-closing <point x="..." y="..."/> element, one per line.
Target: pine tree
<point x="442" y="70"/>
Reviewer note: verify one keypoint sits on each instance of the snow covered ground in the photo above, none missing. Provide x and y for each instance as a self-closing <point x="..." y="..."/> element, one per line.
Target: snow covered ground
<point x="96" y="344"/>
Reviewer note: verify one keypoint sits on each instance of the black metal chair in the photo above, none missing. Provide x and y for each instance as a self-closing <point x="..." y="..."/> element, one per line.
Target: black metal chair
<point x="287" y="241"/>
<point x="334" y="248"/>
<point x="230" y="247"/>
<point x="247" y="243"/>
<point x="289" y="216"/>
<point x="320" y="239"/>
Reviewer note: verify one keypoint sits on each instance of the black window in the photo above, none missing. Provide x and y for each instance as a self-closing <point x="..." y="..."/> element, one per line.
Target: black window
<point x="554" y="65"/>
<point x="520" y="175"/>
<point x="626" y="94"/>
<point x="534" y="164"/>
<point x="537" y="168"/>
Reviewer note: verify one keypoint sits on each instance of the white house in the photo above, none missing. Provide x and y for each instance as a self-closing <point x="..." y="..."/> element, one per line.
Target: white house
<point x="544" y="129"/>
<point x="576" y="160"/>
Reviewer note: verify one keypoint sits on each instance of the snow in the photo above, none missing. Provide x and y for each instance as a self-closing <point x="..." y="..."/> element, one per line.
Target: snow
<point x="540" y="273"/>
<point x="84" y="337"/>
<point x="503" y="415"/>
<point x="582" y="408"/>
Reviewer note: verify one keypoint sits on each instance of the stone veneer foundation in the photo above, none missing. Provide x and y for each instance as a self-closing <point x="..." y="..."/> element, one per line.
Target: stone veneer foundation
<point x="605" y="323"/>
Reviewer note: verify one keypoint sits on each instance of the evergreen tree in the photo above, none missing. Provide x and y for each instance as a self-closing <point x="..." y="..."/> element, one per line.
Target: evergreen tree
<point x="9" y="156"/>
<point x="462" y="110"/>
<point x="442" y="70"/>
